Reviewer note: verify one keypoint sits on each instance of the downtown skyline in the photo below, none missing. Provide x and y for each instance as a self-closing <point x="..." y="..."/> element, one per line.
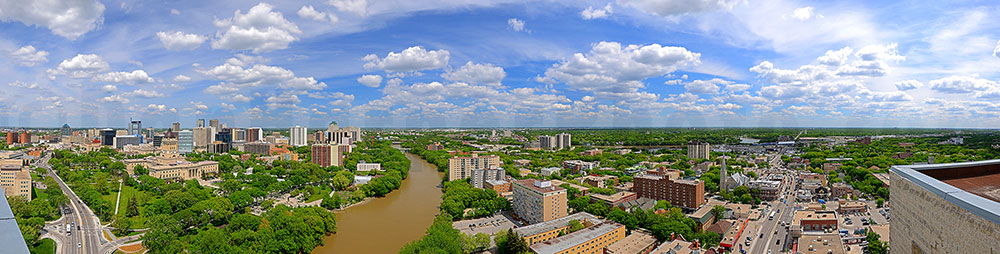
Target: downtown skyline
<point x="627" y="63"/>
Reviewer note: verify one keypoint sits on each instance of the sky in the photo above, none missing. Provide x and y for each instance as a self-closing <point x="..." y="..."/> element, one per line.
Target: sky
<point x="471" y="63"/>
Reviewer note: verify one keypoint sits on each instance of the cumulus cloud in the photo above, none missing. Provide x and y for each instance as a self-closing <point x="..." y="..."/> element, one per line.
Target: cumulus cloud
<point x="260" y="30"/>
<point x="804" y="13"/>
<point x="679" y="7"/>
<point x="239" y="98"/>
<point x="961" y="84"/>
<point x="516" y="24"/>
<point x="114" y="98"/>
<point x="996" y="50"/>
<point x="81" y="66"/>
<point x="370" y="80"/>
<point x="309" y="12"/>
<point x="142" y="93"/>
<point x="66" y="18"/>
<point x="22" y="84"/>
<point x="908" y="85"/>
<point x="358" y="7"/>
<point x="180" y="41"/>
<point x="477" y="74"/>
<point x="414" y="58"/>
<point x="836" y="57"/>
<point x="131" y="78"/>
<point x="614" y="70"/>
<point x="705" y="86"/>
<point x="235" y="77"/>
<point x="591" y="13"/>
<point x="109" y="88"/>
<point x="28" y="55"/>
<point x="182" y="78"/>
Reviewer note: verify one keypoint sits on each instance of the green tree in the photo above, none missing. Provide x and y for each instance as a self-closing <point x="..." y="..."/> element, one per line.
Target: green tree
<point x="875" y="245"/>
<point x="718" y="211"/>
<point x="575" y="225"/>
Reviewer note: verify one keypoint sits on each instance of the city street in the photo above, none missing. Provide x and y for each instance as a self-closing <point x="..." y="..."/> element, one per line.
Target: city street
<point x="85" y="234"/>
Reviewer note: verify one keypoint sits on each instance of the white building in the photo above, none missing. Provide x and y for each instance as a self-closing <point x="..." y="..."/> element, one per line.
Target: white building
<point x="365" y="167"/>
<point x="298" y="136"/>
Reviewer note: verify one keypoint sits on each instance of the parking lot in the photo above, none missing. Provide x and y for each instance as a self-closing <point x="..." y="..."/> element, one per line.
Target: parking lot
<point x="488" y="225"/>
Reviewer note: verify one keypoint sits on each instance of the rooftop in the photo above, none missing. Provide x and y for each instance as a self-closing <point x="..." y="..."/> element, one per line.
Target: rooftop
<point x="675" y="247"/>
<point x="812" y="215"/>
<point x="821" y="244"/>
<point x="634" y="243"/>
<point x="613" y="197"/>
<point x="547" y="226"/>
<point x="973" y="186"/>
<point x="707" y="208"/>
<point x="10" y="234"/>
<point x="576" y="238"/>
<point x="539" y="186"/>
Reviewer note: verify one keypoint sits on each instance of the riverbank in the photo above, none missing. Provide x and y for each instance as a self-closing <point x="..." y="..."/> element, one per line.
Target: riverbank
<point x="386" y="224"/>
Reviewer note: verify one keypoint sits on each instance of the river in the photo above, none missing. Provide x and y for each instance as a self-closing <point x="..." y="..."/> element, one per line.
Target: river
<point x="385" y="224"/>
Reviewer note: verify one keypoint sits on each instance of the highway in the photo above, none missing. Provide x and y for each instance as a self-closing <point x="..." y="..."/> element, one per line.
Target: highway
<point x="85" y="236"/>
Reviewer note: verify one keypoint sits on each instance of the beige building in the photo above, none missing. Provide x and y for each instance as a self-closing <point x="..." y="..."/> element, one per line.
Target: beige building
<point x="461" y="167"/>
<point x="637" y="242"/>
<point x="168" y="145"/>
<point x="590" y="240"/>
<point x="538" y="201"/>
<point x="698" y="150"/>
<point x="540" y="232"/>
<point x="821" y="244"/>
<point x="173" y="167"/>
<point x="945" y="208"/>
<point x="15" y="180"/>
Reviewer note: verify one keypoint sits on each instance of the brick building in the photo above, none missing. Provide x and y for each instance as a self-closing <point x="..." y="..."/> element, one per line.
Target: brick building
<point x="538" y="201"/>
<point x="689" y="194"/>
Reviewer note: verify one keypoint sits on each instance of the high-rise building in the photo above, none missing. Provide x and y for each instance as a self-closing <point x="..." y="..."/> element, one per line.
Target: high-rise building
<point x="547" y="142"/>
<point x="346" y="135"/>
<point x="461" y="167"/>
<point x="258" y="148"/>
<point x="157" y="140"/>
<point x="200" y="123"/>
<point x="214" y="123"/>
<point x="254" y="134"/>
<point x="480" y="176"/>
<point x="15" y="181"/>
<point x="538" y="201"/>
<point x="150" y="132"/>
<point x="203" y="136"/>
<point x="122" y="141"/>
<point x="297" y="136"/>
<point x="563" y="141"/>
<point x="329" y="155"/>
<point x="224" y="136"/>
<point x="239" y="135"/>
<point x="108" y="137"/>
<point x="698" y="150"/>
<point x="185" y="142"/>
<point x="176" y="127"/>
<point x="25" y="138"/>
<point x="65" y="130"/>
<point x="134" y="127"/>
<point x="12" y="138"/>
<point x="945" y="208"/>
<point x="668" y="186"/>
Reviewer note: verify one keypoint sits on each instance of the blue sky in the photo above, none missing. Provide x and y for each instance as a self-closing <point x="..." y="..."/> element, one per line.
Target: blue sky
<point x="624" y="63"/>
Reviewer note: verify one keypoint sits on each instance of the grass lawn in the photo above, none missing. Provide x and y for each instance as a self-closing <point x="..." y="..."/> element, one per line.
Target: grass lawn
<point x="39" y="193"/>
<point x="127" y="193"/>
<point x="45" y="246"/>
<point x="319" y="193"/>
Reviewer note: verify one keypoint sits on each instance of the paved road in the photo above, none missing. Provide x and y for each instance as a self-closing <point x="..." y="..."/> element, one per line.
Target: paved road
<point x="775" y="237"/>
<point x="86" y="234"/>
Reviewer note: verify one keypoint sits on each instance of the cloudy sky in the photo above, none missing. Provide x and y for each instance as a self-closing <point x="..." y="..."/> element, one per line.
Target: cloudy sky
<point x="389" y="63"/>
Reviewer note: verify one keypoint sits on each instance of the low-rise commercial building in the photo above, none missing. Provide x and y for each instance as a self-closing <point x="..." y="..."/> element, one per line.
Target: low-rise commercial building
<point x="500" y="187"/>
<point x="813" y="221"/>
<point x="821" y="244"/>
<point x="540" y="232"/>
<point x="636" y="243"/>
<point x="538" y="201"/>
<point x="851" y="207"/>
<point x="615" y="200"/>
<point x="766" y="190"/>
<point x="590" y="240"/>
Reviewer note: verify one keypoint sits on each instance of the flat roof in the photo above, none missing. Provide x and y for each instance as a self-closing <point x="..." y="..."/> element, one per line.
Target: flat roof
<point x="973" y="186"/>
<point x="578" y="187"/>
<point x="530" y="184"/>
<point x="674" y="247"/>
<point x="821" y="244"/>
<point x="547" y="226"/>
<point x="812" y="215"/>
<point x="634" y="243"/>
<point x="10" y="233"/>
<point x="707" y="208"/>
<point x="576" y="238"/>
<point x="613" y="197"/>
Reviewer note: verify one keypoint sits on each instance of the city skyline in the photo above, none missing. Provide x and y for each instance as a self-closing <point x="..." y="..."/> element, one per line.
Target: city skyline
<point x="626" y="63"/>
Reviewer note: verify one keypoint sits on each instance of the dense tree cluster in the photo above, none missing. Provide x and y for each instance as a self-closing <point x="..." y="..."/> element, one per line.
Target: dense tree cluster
<point x="459" y="195"/>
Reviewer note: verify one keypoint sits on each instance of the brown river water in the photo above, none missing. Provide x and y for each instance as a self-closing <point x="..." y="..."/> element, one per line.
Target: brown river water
<point x="385" y="224"/>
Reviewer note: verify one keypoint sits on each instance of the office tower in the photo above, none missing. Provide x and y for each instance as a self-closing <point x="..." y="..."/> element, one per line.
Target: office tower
<point x="200" y="123"/>
<point x="297" y="136"/>
<point x="254" y="134"/>
<point x="547" y="142"/>
<point x="65" y="130"/>
<point x="538" y="201"/>
<point x="329" y="155"/>
<point x="157" y="140"/>
<point x="122" y="141"/>
<point x="225" y="136"/>
<point x="346" y="135"/>
<point x="214" y="123"/>
<point x="108" y="137"/>
<point x="176" y="127"/>
<point x="185" y="142"/>
<point x="563" y="141"/>
<point x="203" y="136"/>
<point x="134" y="127"/>
<point x="461" y="167"/>
<point x="150" y="132"/>
<point x="239" y="135"/>
<point x="698" y="150"/>
<point x="945" y="208"/>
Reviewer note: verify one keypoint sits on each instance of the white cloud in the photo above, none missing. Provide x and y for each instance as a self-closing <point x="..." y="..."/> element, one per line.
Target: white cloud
<point x="591" y="13"/>
<point x="516" y="24"/>
<point x="679" y="7"/>
<point x="415" y="58"/>
<point x="804" y="13"/>
<point x="613" y="70"/>
<point x="239" y="98"/>
<point x="143" y="94"/>
<point x="260" y="30"/>
<point x="109" y="88"/>
<point x="175" y="12"/>
<point x="227" y="106"/>
<point x="182" y="78"/>
<point x="29" y="56"/>
<point x="370" y="80"/>
<point x="180" y="41"/>
<point x="22" y="84"/>
<point x="236" y="77"/>
<point x="737" y="87"/>
<point x="961" y="84"/>
<point x="81" y="66"/>
<point x="996" y="50"/>
<point x="284" y="98"/>
<point x="114" y="98"/>
<point x="908" y="85"/>
<point x="836" y="57"/>
<point x="477" y="74"/>
<point x="309" y="12"/>
<point x="131" y="78"/>
<point x="358" y="7"/>
<point x="705" y="86"/>
<point x="66" y="18"/>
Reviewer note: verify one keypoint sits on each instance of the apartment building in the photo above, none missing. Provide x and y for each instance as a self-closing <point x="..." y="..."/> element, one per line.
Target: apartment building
<point x="698" y="150"/>
<point x="538" y="201"/>
<point x="461" y="167"/>
<point x="590" y="240"/>
<point x="689" y="194"/>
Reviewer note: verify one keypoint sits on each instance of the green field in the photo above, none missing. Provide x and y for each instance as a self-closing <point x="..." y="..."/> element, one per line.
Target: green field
<point x="319" y="193"/>
<point x="127" y="193"/>
<point x="45" y="246"/>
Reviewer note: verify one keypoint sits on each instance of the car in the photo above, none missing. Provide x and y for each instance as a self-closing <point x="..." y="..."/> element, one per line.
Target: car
<point x="777" y="242"/>
<point x="79" y="245"/>
<point x="761" y="235"/>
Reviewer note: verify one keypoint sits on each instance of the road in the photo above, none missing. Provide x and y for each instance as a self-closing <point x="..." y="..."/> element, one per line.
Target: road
<point x="772" y="241"/>
<point x="85" y="236"/>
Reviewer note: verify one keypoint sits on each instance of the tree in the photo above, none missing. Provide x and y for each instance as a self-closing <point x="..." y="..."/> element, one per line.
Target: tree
<point x="140" y="170"/>
<point x="718" y="211"/>
<point x="331" y="202"/>
<point x="133" y="208"/>
<point x="122" y="224"/>
<point x="875" y="246"/>
<point x="879" y="202"/>
<point x="574" y="225"/>
<point x="509" y="242"/>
